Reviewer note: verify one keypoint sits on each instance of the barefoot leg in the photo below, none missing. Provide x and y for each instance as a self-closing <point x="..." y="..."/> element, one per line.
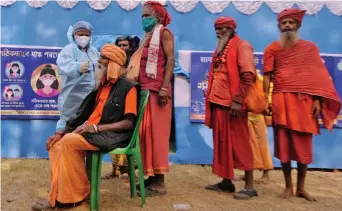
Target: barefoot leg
<point x="249" y="180"/>
<point x="288" y="181"/>
<point x="288" y="193"/>
<point x="264" y="178"/>
<point x="302" y="169"/>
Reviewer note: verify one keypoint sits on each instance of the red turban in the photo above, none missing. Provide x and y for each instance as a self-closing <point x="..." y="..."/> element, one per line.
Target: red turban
<point x="160" y="11"/>
<point x="225" y="22"/>
<point x="294" y="13"/>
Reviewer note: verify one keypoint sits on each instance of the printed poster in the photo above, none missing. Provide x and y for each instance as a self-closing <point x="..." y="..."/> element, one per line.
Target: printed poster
<point x="337" y="70"/>
<point x="200" y="65"/>
<point x="30" y="82"/>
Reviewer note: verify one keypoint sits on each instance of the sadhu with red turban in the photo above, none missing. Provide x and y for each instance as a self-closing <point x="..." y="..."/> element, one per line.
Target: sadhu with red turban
<point x="256" y="124"/>
<point x="152" y="65"/>
<point x="302" y="92"/>
<point x="292" y="13"/>
<point x="232" y="74"/>
<point x="104" y="121"/>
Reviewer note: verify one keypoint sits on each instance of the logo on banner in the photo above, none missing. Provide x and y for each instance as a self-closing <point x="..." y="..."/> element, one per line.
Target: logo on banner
<point x="203" y="85"/>
<point x="339" y="65"/>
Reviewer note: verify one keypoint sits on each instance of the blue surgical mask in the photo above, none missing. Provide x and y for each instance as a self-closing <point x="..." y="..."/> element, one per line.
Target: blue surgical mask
<point x="148" y="23"/>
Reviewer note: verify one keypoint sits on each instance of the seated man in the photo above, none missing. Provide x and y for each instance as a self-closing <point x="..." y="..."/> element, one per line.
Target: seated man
<point x="119" y="162"/>
<point x="104" y="121"/>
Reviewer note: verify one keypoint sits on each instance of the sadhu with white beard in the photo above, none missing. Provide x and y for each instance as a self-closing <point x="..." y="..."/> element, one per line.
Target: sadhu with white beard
<point x="104" y="121"/>
<point x="231" y="76"/>
<point x="302" y="91"/>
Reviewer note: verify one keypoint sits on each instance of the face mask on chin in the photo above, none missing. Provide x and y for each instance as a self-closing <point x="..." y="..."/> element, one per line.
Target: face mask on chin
<point x="148" y="23"/>
<point x="82" y="41"/>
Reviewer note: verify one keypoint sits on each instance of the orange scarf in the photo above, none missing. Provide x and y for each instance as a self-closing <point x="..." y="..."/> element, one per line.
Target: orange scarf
<point x="300" y="70"/>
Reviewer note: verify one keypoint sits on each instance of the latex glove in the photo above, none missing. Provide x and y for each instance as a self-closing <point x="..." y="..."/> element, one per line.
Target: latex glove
<point x="84" y="67"/>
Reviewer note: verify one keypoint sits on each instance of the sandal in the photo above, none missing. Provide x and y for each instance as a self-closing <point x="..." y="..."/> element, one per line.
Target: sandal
<point x="245" y="194"/>
<point x="220" y="187"/>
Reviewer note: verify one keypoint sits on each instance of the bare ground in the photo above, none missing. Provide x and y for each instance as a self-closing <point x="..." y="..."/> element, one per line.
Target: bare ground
<point x="24" y="181"/>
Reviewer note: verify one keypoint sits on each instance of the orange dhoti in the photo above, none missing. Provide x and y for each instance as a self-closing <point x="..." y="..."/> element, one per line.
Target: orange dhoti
<point x="259" y="142"/>
<point x="155" y="135"/>
<point x="69" y="180"/>
<point x="293" y="124"/>
<point x="232" y="148"/>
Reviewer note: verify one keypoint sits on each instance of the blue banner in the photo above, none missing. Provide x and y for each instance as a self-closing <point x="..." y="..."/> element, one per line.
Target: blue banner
<point x="30" y="82"/>
<point x="200" y="65"/>
<point x="337" y="77"/>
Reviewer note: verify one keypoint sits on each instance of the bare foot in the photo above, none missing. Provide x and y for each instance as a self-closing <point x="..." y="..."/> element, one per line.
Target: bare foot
<point x="262" y="180"/>
<point x="288" y="193"/>
<point x="305" y="195"/>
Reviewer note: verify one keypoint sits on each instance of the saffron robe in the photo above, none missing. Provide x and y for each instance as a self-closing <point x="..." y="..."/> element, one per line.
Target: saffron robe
<point x="298" y="75"/>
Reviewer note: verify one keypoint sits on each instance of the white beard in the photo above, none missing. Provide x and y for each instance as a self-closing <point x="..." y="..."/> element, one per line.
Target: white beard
<point x="288" y="38"/>
<point x="100" y="74"/>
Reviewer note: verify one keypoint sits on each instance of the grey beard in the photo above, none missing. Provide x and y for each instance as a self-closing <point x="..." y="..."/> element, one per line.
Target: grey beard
<point x="288" y="38"/>
<point x="222" y="43"/>
<point x="100" y="73"/>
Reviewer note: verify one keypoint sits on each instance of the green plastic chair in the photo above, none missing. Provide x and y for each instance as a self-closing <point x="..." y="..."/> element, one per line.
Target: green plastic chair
<point x="94" y="162"/>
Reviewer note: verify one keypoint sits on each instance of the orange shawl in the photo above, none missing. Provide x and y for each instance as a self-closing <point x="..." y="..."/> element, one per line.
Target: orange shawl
<point x="300" y="70"/>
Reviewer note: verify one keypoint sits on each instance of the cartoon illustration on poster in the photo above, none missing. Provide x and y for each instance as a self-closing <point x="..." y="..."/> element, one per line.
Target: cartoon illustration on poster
<point x="30" y="82"/>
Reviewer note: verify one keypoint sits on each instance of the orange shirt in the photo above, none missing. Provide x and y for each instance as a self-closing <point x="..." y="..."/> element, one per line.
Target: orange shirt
<point x="220" y="91"/>
<point x="130" y="103"/>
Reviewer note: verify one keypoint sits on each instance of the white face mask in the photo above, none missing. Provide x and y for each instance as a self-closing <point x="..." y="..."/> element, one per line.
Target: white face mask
<point x="82" y="41"/>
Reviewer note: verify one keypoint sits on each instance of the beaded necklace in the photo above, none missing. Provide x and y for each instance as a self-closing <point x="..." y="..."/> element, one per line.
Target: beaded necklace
<point x="220" y="59"/>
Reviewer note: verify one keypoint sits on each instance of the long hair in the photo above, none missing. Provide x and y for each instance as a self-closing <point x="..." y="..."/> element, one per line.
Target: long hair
<point x="12" y="95"/>
<point x="15" y="65"/>
<point x="47" y="70"/>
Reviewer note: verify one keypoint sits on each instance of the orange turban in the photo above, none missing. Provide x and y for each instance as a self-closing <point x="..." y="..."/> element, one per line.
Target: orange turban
<point x="294" y="13"/>
<point x="160" y="11"/>
<point x="225" y="22"/>
<point x="117" y="58"/>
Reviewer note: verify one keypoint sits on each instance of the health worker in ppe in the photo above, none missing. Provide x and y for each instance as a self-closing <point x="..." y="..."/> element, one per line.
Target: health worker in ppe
<point x="76" y="63"/>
